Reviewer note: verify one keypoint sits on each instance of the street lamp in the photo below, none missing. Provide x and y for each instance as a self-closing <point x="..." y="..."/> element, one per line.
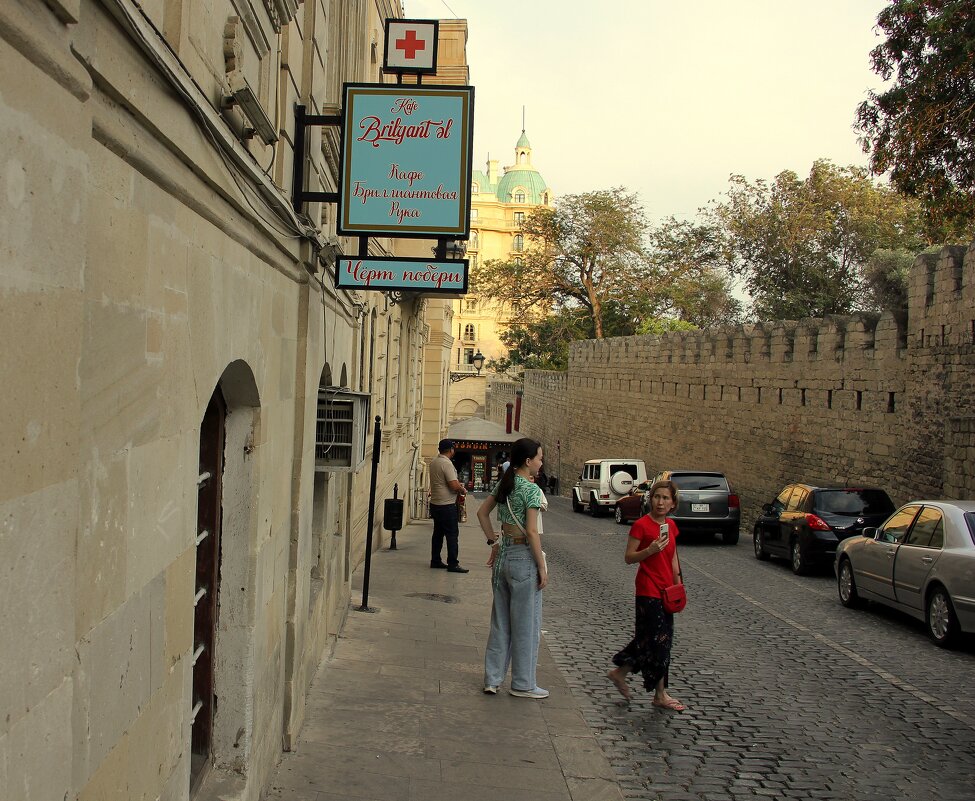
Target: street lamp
<point x="477" y="361"/>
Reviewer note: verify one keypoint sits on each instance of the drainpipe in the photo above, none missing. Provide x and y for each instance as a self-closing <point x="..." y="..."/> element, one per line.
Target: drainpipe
<point x="507" y="419"/>
<point x="518" y="395"/>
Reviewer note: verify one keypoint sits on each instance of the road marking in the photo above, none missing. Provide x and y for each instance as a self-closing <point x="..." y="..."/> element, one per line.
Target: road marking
<point x="886" y="675"/>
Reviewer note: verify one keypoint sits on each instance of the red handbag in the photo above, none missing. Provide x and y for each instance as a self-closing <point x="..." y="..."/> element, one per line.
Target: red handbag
<point x="674" y="597"/>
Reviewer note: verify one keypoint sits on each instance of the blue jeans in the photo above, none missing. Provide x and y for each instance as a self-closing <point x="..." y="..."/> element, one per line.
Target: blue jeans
<point x="516" y="622"/>
<point x="445" y="522"/>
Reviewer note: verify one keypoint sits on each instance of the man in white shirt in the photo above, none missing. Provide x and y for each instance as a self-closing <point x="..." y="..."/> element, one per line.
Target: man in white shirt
<point x="444" y="489"/>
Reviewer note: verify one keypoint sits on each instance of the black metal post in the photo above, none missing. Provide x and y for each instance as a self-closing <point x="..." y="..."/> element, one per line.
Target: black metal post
<point x="372" y="516"/>
<point x="392" y="537"/>
<point x="298" y="166"/>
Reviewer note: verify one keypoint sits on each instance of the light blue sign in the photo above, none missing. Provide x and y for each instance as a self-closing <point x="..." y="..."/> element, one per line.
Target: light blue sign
<point x="406" y="275"/>
<point x="406" y="161"/>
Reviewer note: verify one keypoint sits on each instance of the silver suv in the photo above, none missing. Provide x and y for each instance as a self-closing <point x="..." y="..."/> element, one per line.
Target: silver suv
<point x="605" y="481"/>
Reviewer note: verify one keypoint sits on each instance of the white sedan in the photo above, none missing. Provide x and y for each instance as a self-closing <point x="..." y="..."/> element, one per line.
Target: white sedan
<point x="920" y="561"/>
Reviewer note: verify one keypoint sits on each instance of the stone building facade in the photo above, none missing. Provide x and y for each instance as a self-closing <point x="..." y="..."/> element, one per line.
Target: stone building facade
<point x="186" y="422"/>
<point x="862" y="399"/>
<point x="501" y="200"/>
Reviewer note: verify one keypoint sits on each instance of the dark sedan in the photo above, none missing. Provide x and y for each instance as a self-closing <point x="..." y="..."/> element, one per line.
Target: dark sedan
<point x="630" y="507"/>
<point x="806" y="523"/>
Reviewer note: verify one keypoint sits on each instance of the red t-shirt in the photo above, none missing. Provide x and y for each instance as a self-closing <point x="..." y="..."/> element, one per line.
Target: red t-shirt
<point x="655" y="572"/>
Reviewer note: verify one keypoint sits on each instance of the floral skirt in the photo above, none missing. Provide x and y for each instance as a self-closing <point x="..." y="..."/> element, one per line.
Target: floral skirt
<point x="648" y="652"/>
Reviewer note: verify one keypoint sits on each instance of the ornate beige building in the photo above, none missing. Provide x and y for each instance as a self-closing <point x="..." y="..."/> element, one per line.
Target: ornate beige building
<point x="501" y="200"/>
<point x="188" y="403"/>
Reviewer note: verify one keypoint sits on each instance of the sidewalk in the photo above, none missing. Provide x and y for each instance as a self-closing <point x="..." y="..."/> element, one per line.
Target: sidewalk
<point x="398" y="713"/>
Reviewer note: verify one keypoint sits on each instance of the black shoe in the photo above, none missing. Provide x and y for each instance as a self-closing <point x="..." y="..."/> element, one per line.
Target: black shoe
<point x="457" y="569"/>
<point x="438" y="565"/>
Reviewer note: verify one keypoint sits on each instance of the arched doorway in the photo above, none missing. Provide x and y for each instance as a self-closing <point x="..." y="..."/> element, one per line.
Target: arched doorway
<point x="223" y="623"/>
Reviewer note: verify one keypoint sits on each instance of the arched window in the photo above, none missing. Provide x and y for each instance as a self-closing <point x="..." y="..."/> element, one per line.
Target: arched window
<point x="469" y="332"/>
<point x="474" y="187"/>
<point x="475" y="241"/>
<point x="520" y="196"/>
<point x="545" y="198"/>
<point x="519" y="244"/>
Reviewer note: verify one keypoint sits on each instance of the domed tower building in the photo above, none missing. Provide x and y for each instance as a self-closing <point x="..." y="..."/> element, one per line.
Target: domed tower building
<point x="500" y="202"/>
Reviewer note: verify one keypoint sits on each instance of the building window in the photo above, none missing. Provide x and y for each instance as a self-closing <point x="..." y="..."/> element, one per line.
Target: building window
<point x="474" y="187"/>
<point x="519" y="260"/>
<point x="473" y="260"/>
<point x="519" y="218"/>
<point x="519" y="244"/>
<point x="468" y="355"/>
<point x="545" y="198"/>
<point x="471" y="304"/>
<point x="475" y="241"/>
<point x="469" y="332"/>
<point x="520" y="196"/>
<point x="473" y="214"/>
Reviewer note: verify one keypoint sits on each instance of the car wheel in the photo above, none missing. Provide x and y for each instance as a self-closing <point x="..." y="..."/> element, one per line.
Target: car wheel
<point x="577" y="507"/>
<point x="594" y="509"/>
<point x="942" y="622"/>
<point x="729" y="536"/>
<point x="759" y="542"/>
<point x="847" y="587"/>
<point x="619" y="515"/>
<point x="800" y="565"/>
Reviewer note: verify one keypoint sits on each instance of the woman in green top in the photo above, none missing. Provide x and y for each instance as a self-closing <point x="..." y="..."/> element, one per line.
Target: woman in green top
<point x="520" y="574"/>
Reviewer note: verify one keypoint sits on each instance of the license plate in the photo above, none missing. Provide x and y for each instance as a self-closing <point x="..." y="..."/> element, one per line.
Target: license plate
<point x="700" y="507"/>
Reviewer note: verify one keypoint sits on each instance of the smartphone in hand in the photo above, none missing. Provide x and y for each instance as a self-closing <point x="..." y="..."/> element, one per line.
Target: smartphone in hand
<point x="664" y="530"/>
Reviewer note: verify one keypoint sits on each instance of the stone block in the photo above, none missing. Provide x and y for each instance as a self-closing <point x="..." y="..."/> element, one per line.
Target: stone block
<point x="34" y="753"/>
<point x="39" y="418"/>
<point x="112" y="680"/>
<point x="37" y="579"/>
<point x="102" y="540"/>
<point x="161" y="520"/>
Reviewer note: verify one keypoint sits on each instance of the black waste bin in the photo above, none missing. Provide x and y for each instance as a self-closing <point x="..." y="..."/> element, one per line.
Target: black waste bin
<point x="393" y="514"/>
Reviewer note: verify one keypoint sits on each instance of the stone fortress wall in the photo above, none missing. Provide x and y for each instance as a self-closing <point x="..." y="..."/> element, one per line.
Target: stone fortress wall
<point x="878" y="400"/>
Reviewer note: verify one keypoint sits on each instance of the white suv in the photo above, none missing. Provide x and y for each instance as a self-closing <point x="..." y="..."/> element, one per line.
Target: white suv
<point x="604" y="481"/>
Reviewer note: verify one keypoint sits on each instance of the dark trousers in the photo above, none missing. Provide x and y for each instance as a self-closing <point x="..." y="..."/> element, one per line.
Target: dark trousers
<point x="444" y="528"/>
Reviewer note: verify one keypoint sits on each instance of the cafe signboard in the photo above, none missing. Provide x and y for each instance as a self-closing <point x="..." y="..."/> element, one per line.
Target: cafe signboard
<point x="406" y="161"/>
<point x="402" y="274"/>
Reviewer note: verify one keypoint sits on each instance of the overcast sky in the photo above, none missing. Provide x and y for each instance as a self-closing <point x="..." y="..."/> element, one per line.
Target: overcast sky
<point x="666" y="98"/>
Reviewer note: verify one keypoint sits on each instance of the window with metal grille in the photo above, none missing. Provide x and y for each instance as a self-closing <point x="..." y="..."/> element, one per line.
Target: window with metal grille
<point x="340" y="430"/>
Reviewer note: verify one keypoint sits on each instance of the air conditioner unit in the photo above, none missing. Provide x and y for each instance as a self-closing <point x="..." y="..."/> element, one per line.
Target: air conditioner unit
<point x="341" y="430"/>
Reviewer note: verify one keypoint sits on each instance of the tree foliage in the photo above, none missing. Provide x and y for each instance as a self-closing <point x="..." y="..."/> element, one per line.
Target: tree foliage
<point x="584" y="251"/>
<point x="922" y="128"/>
<point x="800" y="245"/>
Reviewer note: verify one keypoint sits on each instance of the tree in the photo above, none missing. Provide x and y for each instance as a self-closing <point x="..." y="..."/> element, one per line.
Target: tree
<point x="583" y="252"/>
<point x="886" y="277"/>
<point x="692" y="288"/>
<point x="800" y="245"/>
<point x="922" y="128"/>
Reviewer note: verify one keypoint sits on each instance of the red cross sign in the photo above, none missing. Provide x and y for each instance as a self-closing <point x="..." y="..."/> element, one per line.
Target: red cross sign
<point x="411" y="46"/>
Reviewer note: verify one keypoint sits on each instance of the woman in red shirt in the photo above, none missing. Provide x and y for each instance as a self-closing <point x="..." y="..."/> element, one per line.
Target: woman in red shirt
<point x="652" y="545"/>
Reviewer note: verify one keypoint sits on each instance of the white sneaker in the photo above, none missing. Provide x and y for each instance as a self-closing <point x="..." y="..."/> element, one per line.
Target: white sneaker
<point x="490" y="689"/>
<point x="538" y="692"/>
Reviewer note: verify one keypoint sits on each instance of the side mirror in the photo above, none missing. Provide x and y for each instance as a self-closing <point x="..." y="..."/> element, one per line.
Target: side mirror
<point x="870" y="532"/>
<point x="768" y="508"/>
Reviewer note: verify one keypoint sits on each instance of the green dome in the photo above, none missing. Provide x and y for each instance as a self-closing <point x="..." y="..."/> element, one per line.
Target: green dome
<point x="528" y="179"/>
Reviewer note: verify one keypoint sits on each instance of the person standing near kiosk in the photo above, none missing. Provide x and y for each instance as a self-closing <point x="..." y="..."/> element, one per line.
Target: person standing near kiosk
<point x="444" y="492"/>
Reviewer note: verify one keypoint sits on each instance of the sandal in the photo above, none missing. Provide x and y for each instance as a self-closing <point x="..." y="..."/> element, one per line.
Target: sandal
<point x="672" y="704"/>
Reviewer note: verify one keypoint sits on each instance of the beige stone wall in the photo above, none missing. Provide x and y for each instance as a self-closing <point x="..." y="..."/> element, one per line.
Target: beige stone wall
<point x="149" y="257"/>
<point x="846" y="399"/>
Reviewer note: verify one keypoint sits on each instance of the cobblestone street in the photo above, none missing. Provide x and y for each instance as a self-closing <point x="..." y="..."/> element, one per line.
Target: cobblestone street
<point x="790" y="695"/>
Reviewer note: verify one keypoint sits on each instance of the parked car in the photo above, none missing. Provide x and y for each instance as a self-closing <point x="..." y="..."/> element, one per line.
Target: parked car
<point x="806" y="523"/>
<point x="705" y="503"/>
<point x="920" y="561"/>
<point x="605" y="481"/>
<point x="630" y="507"/>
